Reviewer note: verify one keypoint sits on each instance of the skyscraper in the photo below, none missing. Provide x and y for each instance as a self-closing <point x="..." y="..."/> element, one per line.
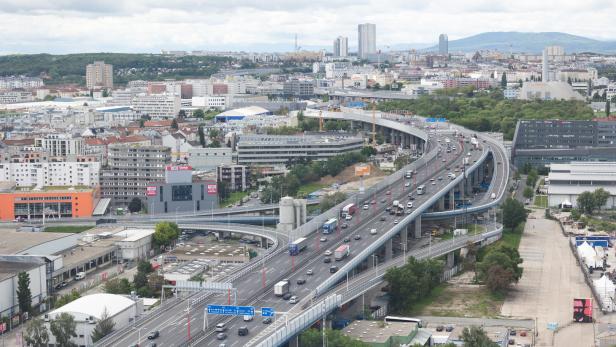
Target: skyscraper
<point x="99" y="74"/>
<point x="366" y="40"/>
<point x="545" y="71"/>
<point x="341" y="46"/>
<point x="443" y="45"/>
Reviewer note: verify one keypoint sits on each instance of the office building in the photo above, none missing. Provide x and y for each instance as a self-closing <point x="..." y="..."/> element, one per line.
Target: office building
<point x="178" y="192"/>
<point x="99" y="75"/>
<point x="42" y="174"/>
<point x="60" y="145"/>
<point x="366" y="40"/>
<point x="20" y="82"/>
<point x="341" y="46"/>
<point x="51" y="202"/>
<point x="264" y="150"/>
<point x="299" y="89"/>
<point x="568" y="181"/>
<point x="209" y="158"/>
<point x="14" y="97"/>
<point x="130" y="168"/>
<point x="544" y="142"/>
<point x="157" y="106"/>
<point x="545" y="66"/>
<point x="443" y="45"/>
<point x="237" y="177"/>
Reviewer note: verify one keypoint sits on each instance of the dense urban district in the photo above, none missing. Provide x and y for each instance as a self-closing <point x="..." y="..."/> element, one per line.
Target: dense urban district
<point x="310" y="198"/>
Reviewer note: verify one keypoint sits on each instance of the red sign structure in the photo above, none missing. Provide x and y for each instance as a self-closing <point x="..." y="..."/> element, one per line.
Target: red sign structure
<point x="582" y="310"/>
<point x="150" y="191"/>
<point x="212" y="189"/>
<point x="178" y="168"/>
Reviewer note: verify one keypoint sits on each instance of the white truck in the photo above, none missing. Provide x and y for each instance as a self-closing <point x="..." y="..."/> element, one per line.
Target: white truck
<point x="342" y="252"/>
<point x="281" y="288"/>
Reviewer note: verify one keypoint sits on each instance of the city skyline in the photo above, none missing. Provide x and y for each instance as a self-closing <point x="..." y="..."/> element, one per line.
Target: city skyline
<point x="151" y="26"/>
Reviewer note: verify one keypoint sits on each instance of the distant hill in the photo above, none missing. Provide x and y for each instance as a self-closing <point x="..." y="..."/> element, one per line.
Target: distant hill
<point x="528" y="42"/>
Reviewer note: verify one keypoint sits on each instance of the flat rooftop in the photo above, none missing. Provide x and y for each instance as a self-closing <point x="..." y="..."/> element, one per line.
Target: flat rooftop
<point x="12" y="268"/>
<point x="374" y="332"/>
<point x="283" y="140"/>
<point x="13" y="241"/>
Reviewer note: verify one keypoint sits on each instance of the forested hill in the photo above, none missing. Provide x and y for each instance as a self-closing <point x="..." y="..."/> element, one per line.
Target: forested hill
<point x="71" y="68"/>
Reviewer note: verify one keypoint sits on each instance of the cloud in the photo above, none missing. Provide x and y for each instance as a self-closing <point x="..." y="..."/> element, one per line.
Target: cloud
<point x="60" y="26"/>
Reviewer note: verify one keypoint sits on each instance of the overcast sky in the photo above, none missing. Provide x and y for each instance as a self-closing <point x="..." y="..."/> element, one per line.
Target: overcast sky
<point x="67" y="26"/>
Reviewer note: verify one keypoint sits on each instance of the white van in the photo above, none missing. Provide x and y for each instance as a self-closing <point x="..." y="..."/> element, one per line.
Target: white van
<point x="493" y="195"/>
<point x="80" y="276"/>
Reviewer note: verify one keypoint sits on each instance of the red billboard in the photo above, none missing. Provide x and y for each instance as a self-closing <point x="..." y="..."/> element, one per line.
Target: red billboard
<point x="582" y="310"/>
<point x="150" y="191"/>
<point x="212" y="189"/>
<point x="178" y="168"/>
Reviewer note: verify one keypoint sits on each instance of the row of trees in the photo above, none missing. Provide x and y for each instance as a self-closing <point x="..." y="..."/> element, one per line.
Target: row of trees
<point x="307" y="172"/>
<point x="312" y="124"/>
<point x="412" y="282"/>
<point x="589" y="202"/>
<point x="146" y="282"/>
<point x="64" y="328"/>
<point x="499" y="268"/>
<point x="489" y="111"/>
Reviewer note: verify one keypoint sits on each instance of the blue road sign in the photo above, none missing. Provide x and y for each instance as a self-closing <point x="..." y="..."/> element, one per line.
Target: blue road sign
<point x="552" y="326"/>
<point x="267" y="312"/>
<point x="231" y="310"/>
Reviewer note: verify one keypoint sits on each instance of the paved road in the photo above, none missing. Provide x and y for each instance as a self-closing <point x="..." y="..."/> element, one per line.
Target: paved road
<point x="550" y="282"/>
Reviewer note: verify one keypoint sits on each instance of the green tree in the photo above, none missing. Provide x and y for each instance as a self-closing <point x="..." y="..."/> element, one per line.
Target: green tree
<point x="329" y="201"/>
<point x="500" y="268"/>
<point x="118" y="286"/>
<point x="104" y="326"/>
<point x="63" y="329"/>
<point x="198" y="113"/>
<point x="24" y="295"/>
<point x="600" y="197"/>
<point x="135" y="205"/>
<point x="607" y="108"/>
<point x="586" y="202"/>
<point x="66" y="298"/>
<point x="528" y="192"/>
<point x="476" y="337"/>
<point x="314" y="338"/>
<point x="165" y="233"/>
<point x="201" y="136"/>
<point x="513" y="213"/>
<point x="412" y="282"/>
<point x="36" y="333"/>
<point x="575" y="214"/>
<point x="504" y="81"/>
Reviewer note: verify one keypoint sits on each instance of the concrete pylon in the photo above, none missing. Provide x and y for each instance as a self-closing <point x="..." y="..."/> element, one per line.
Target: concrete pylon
<point x="452" y="199"/>
<point x="389" y="249"/>
<point x="404" y="237"/>
<point x="450" y="260"/>
<point x="418" y="227"/>
<point x="441" y="203"/>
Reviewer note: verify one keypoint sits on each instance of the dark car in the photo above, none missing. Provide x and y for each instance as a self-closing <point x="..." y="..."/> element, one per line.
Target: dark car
<point x="383" y="218"/>
<point x="344" y="225"/>
<point x="287" y="296"/>
<point x="357" y="237"/>
<point x="267" y="320"/>
<point x="440" y="328"/>
<point x="346" y="239"/>
<point x="449" y="328"/>
<point x="333" y="269"/>
<point x="301" y="281"/>
<point x="152" y="344"/>
<point x="327" y="260"/>
<point x="512" y="333"/>
<point x="388" y="209"/>
<point x="242" y="331"/>
<point x="153" y="334"/>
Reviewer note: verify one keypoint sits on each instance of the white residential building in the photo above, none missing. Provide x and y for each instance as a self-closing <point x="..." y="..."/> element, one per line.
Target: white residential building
<point x="20" y="82"/>
<point x="212" y="101"/>
<point x="157" y="106"/>
<point x="60" y="145"/>
<point x="568" y="181"/>
<point x="99" y="74"/>
<point x="14" y="97"/>
<point x="68" y="173"/>
<point x="180" y="147"/>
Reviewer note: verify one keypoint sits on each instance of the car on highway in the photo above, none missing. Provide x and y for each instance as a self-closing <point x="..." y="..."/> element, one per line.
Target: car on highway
<point x="409" y="204"/>
<point x="328" y="253"/>
<point x="433" y="183"/>
<point x="348" y="217"/>
<point x="444" y="160"/>
<point x="388" y="192"/>
<point x="432" y="179"/>
<point x="301" y="281"/>
<point x="396" y="221"/>
<point x="152" y="344"/>
<point x="287" y="296"/>
<point x="373" y="231"/>
<point x="344" y="225"/>
<point x="383" y="201"/>
<point x="468" y="154"/>
<point x="440" y="178"/>
<point x="242" y="331"/>
<point x="346" y="239"/>
<point x="333" y="269"/>
<point x="387" y="209"/>
<point x="327" y="260"/>
<point x="373" y="202"/>
<point x="407" y="184"/>
<point x="267" y="320"/>
<point x="366" y="207"/>
<point x="248" y="318"/>
<point x="221" y="336"/>
<point x="221" y="327"/>
<point x="357" y="237"/>
<point x="456" y="170"/>
<point x="310" y="272"/>
<point x="294" y="299"/>
<point x="153" y="334"/>
<point x="383" y="218"/>
<point x="323" y="239"/>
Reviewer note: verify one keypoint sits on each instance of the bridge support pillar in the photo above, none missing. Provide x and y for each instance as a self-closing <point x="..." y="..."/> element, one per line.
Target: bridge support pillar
<point x="389" y="245"/>
<point x="461" y="189"/>
<point x="294" y="342"/>
<point x="481" y="173"/>
<point x="404" y="237"/>
<point x="469" y="185"/>
<point x="263" y="242"/>
<point x="450" y="260"/>
<point x="418" y="227"/>
<point x="452" y="199"/>
<point x="441" y="203"/>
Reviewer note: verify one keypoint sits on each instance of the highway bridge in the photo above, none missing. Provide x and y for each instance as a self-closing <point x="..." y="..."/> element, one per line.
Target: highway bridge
<point x="369" y="251"/>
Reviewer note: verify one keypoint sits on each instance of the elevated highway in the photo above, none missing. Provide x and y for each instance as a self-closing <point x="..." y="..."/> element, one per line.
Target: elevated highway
<point x="391" y="240"/>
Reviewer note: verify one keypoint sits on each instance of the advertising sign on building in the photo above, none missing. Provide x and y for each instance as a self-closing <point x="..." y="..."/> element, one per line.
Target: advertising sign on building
<point x="212" y="189"/>
<point x="178" y="168"/>
<point x="150" y="191"/>
<point x="582" y="310"/>
<point x="362" y="170"/>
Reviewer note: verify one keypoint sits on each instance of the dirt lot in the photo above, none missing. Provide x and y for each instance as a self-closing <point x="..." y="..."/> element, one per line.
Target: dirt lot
<point x="461" y="298"/>
<point x="348" y="175"/>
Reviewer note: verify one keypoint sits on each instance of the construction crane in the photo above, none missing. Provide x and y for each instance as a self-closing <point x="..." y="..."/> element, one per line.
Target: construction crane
<point x="321" y="121"/>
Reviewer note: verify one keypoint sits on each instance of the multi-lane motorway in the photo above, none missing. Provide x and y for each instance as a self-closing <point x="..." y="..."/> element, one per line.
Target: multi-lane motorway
<point x="256" y="288"/>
